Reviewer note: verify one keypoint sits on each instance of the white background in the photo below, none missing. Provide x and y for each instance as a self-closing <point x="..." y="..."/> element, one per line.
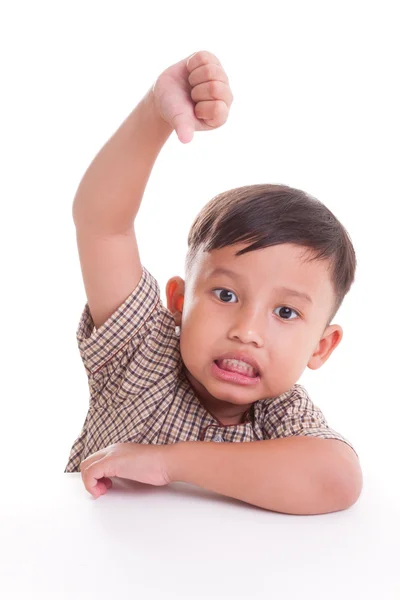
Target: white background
<point x="316" y="107"/>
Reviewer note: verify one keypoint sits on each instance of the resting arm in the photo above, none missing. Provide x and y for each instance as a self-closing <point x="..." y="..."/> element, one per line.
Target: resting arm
<point x="296" y="475"/>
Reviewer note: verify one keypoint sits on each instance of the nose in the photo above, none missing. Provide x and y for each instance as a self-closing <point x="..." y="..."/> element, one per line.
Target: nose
<point x="248" y="328"/>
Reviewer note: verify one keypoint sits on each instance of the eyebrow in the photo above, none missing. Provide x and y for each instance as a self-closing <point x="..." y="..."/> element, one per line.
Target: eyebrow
<point x="286" y="290"/>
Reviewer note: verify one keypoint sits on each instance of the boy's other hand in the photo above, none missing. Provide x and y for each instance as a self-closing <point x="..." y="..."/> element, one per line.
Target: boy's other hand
<point x="193" y="95"/>
<point x="147" y="463"/>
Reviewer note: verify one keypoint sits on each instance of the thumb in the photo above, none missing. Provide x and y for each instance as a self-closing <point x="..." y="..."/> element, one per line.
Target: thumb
<point x="184" y="128"/>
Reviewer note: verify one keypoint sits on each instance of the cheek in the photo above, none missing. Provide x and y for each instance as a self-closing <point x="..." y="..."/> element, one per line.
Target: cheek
<point x="199" y="331"/>
<point x="196" y="328"/>
<point x="288" y="343"/>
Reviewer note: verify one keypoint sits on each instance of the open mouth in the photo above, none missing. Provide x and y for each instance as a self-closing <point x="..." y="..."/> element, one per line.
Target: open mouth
<point x="237" y="366"/>
<point x="241" y="374"/>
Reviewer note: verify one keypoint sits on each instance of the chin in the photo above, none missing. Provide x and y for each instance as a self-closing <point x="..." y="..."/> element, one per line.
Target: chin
<point x="232" y="393"/>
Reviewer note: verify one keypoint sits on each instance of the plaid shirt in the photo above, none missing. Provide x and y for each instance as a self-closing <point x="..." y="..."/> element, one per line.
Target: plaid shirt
<point x="139" y="392"/>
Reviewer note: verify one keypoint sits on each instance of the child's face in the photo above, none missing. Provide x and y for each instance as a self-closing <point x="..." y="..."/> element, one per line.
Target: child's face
<point x="247" y="314"/>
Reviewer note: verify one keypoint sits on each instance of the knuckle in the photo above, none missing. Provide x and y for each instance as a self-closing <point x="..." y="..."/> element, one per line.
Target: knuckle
<point x="203" y="55"/>
<point x="84" y="465"/>
<point x="210" y="70"/>
<point x="220" y="117"/>
<point x="219" y="110"/>
<point x="215" y="88"/>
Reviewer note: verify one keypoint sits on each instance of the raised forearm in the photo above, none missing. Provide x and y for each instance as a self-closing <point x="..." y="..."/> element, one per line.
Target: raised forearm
<point x="109" y="195"/>
<point x="296" y="475"/>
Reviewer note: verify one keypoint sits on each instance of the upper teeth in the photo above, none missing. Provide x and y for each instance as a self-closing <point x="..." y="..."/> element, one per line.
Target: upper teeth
<point x="238" y="363"/>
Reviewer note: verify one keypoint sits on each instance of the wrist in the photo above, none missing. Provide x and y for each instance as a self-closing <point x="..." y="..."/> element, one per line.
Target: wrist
<point x="175" y="458"/>
<point x="152" y="114"/>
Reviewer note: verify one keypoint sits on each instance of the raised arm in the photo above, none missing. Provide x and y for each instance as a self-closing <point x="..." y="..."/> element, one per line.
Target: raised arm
<point x="109" y="195"/>
<point x="106" y="204"/>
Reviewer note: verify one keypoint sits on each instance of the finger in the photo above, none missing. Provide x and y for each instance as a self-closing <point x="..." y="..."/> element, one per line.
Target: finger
<point x="212" y="90"/>
<point x="102" y="486"/>
<point x="93" y="476"/>
<point x="208" y="72"/>
<point x="100" y="489"/>
<point x="201" y="58"/>
<point x="183" y="127"/>
<point x="108" y="482"/>
<point x="213" y="112"/>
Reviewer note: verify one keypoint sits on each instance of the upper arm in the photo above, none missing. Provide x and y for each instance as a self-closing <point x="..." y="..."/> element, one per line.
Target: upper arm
<point x="111" y="270"/>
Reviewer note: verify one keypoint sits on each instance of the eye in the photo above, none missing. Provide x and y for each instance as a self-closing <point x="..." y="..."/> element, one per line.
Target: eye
<point x="225" y="296"/>
<point x="285" y="312"/>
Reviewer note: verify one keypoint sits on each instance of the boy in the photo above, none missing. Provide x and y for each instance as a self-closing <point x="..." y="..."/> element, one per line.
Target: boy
<point x="267" y="269"/>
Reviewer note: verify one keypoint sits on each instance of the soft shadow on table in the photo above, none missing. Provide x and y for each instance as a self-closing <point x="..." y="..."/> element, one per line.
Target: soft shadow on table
<point x="182" y="490"/>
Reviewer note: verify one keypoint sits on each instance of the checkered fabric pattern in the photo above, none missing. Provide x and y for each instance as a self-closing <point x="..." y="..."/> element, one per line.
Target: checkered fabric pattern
<point x="139" y="392"/>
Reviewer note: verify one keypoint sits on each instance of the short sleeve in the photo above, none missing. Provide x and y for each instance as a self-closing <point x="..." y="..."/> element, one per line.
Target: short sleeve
<point x="131" y="361"/>
<point x="129" y="323"/>
<point x="293" y="413"/>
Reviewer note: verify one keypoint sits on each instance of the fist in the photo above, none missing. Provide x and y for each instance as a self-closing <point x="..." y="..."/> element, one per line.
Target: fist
<point x="146" y="463"/>
<point x="193" y="95"/>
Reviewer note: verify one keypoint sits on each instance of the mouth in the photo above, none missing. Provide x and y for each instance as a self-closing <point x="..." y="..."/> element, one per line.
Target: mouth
<point x="235" y="371"/>
<point x="239" y="362"/>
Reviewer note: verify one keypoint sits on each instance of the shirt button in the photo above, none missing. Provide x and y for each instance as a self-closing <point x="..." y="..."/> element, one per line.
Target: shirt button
<point x="218" y="438"/>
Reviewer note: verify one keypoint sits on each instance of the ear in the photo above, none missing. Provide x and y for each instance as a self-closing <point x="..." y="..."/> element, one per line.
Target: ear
<point x="329" y="341"/>
<point x="175" y="291"/>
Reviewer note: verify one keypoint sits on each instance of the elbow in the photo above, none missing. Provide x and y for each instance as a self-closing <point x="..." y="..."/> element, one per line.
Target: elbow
<point x="353" y="492"/>
<point x="346" y="486"/>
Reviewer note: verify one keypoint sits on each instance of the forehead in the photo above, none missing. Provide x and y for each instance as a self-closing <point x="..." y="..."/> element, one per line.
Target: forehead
<point x="283" y="265"/>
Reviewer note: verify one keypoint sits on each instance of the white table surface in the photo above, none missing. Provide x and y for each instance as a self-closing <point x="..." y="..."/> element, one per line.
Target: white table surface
<point x="180" y="541"/>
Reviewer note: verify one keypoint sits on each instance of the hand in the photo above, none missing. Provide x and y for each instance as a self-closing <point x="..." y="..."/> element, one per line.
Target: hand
<point x="193" y="95"/>
<point x="146" y="463"/>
